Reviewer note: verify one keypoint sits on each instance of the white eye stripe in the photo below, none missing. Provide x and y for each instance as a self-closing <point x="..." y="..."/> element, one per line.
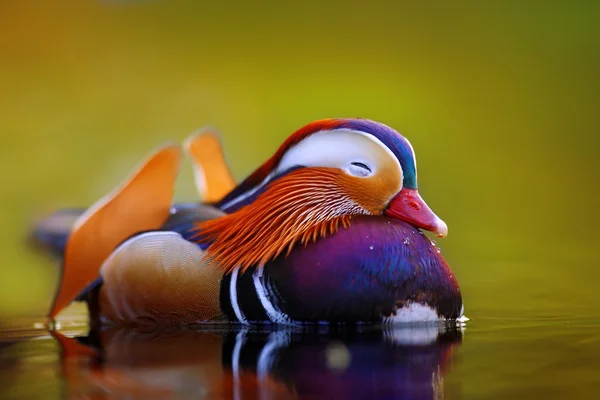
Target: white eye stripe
<point x="336" y="148"/>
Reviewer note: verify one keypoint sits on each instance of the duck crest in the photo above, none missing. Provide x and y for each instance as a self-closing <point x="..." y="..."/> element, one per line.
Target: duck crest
<point x="299" y="207"/>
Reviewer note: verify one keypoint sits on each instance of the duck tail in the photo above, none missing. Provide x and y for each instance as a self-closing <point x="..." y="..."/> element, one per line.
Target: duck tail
<point x="141" y="203"/>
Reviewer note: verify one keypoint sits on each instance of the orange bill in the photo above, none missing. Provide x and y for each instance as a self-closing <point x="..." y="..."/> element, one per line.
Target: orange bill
<point x="141" y="203"/>
<point x="213" y="178"/>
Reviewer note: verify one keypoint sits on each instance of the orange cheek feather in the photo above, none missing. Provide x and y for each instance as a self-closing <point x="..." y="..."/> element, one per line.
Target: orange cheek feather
<point x="303" y="206"/>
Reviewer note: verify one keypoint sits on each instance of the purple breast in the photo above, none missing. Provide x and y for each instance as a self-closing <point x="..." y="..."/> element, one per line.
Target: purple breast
<point x="375" y="269"/>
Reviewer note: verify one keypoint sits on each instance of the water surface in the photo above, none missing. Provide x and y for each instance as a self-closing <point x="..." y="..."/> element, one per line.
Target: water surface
<point x="488" y="358"/>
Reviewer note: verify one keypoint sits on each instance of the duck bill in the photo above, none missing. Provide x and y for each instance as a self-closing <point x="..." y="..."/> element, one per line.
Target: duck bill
<point x="408" y="206"/>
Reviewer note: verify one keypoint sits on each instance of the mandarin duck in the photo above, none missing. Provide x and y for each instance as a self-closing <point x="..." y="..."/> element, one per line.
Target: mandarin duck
<point x="327" y="230"/>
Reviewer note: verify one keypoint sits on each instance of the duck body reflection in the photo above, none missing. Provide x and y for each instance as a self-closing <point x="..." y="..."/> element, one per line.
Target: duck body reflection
<point x="242" y="363"/>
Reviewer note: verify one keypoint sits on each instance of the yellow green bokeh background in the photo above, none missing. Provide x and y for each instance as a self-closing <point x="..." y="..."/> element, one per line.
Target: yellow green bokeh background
<point x="499" y="99"/>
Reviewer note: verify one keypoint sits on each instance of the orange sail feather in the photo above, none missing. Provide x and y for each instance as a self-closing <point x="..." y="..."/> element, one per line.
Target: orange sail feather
<point x="141" y="203"/>
<point x="213" y="178"/>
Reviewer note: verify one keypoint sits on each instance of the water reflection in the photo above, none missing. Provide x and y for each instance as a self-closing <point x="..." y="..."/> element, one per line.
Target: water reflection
<point x="261" y="364"/>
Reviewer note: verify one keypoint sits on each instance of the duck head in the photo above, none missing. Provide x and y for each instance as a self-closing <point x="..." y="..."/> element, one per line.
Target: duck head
<point x="320" y="178"/>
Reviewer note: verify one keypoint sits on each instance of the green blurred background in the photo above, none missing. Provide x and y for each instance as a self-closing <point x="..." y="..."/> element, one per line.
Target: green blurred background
<point x="500" y="100"/>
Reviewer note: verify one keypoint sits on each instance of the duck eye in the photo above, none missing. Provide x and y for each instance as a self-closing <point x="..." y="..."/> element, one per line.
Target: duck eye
<point x="361" y="165"/>
<point x="359" y="169"/>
